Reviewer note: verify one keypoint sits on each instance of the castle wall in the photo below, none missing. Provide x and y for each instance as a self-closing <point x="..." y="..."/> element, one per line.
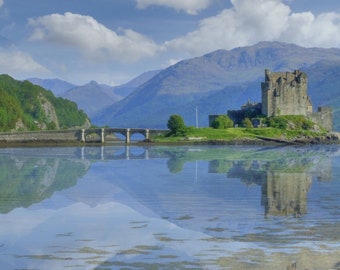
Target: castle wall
<point x="323" y="117"/>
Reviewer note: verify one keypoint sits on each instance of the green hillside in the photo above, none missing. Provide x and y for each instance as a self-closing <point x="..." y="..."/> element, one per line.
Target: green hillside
<point x="24" y="106"/>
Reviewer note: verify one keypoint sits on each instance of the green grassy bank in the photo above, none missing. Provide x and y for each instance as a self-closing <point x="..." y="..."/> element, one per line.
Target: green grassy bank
<point x="242" y="135"/>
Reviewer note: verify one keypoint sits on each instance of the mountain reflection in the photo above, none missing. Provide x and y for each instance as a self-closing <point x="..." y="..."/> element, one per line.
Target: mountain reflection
<point x="284" y="175"/>
<point x="25" y="180"/>
<point x="164" y="207"/>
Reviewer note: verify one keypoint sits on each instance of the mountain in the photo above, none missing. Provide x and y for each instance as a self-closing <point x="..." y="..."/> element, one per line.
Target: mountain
<point x="127" y="88"/>
<point x="58" y="87"/>
<point x="217" y="82"/>
<point x="25" y="106"/>
<point x="92" y="97"/>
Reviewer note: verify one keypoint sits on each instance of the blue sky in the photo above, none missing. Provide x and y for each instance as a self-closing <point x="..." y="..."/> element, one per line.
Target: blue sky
<point x="112" y="41"/>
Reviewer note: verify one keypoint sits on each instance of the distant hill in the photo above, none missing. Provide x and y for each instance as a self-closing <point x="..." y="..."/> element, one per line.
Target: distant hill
<point x="58" y="87"/>
<point x="92" y="97"/>
<point x="24" y="106"/>
<point x="219" y="81"/>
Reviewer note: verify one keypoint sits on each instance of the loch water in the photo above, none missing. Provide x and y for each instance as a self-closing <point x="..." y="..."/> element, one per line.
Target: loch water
<point x="170" y="207"/>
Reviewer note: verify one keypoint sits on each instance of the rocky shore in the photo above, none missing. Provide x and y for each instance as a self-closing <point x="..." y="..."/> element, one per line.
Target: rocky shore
<point x="329" y="138"/>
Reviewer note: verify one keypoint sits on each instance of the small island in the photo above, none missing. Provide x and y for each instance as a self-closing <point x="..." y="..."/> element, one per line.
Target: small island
<point x="285" y="115"/>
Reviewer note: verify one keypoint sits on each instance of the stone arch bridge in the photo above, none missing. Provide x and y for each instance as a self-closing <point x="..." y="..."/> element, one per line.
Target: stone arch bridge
<point x="77" y="135"/>
<point x="126" y="132"/>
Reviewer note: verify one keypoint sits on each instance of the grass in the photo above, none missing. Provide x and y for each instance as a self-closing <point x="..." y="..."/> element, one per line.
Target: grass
<point x="205" y="134"/>
<point x="232" y="134"/>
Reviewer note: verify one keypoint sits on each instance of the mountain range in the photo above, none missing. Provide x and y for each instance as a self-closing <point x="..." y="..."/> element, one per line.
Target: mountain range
<point x="93" y="97"/>
<point x="214" y="83"/>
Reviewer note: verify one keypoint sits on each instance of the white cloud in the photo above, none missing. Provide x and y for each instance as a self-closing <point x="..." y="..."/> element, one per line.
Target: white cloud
<point x="91" y="37"/>
<point x="20" y="64"/>
<point x="190" y="6"/>
<point x="252" y="21"/>
<point x="313" y="31"/>
<point x="1" y="2"/>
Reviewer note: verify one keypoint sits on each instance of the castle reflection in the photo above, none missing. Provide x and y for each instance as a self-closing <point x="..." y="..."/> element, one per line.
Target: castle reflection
<point x="285" y="183"/>
<point x="286" y="193"/>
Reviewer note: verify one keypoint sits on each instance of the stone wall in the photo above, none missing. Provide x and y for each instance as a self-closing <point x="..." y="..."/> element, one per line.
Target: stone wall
<point x="41" y="136"/>
<point x="323" y="117"/>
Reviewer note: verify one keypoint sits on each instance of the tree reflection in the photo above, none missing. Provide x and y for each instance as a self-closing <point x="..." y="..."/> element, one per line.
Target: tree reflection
<point x="28" y="180"/>
<point x="175" y="165"/>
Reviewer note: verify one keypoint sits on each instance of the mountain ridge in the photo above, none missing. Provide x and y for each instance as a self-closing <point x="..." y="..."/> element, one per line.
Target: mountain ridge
<point x="57" y="86"/>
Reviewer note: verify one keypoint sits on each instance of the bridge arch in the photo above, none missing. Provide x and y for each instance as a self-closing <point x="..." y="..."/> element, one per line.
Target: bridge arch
<point x="143" y="132"/>
<point x="114" y="132"/>
<point x="128" y="132"/>
<point x="126" y="152"/>
<point x="93" y="135"/>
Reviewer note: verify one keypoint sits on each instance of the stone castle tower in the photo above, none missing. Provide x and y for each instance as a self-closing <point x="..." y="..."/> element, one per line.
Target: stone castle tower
<point x="285" y="93"/>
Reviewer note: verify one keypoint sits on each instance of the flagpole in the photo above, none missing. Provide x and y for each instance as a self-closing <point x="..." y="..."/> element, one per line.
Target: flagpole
<point x="196" y="116"/>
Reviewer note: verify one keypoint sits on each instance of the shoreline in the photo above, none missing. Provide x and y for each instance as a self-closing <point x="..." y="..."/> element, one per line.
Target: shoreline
<point x="331" y="138"/>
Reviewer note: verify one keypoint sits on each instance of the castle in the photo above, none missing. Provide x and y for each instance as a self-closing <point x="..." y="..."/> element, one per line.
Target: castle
<point x="283" y="93"/>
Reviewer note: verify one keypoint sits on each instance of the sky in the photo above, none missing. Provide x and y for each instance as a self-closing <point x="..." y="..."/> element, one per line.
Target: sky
<point x="113" y="41"/>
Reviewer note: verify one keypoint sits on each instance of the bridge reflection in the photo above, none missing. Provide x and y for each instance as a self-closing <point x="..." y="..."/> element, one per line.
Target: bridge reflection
<point x="114" y="153"/>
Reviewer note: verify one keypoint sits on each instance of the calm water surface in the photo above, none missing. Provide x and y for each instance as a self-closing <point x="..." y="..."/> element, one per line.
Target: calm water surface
<point x="193" y="207"/>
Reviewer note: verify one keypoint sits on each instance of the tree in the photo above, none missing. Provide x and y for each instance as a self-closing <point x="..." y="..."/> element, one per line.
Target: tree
<point x="222" y="122"/>
<point x="176" y="125"/>
<point x="247" y="123"/>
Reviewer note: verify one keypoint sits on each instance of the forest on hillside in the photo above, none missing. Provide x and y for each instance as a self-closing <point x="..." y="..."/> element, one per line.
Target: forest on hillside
<point x="25" y="106"/>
